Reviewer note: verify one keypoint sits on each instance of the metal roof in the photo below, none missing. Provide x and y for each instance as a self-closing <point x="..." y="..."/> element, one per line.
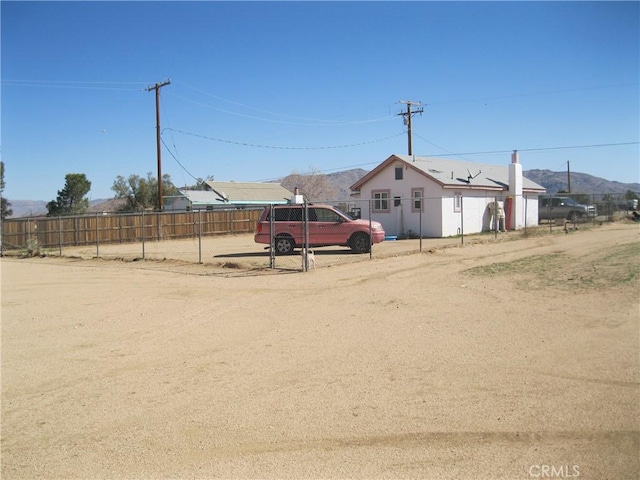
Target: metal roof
<point x="454" y="173"/>
<point x="236" y="193"/>
<point x="249" y="192"/>
<point x="200" y="197"/>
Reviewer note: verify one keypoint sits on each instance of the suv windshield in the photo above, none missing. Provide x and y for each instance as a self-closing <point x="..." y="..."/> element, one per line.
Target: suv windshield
<point x="350" y="217"/>
<point x="316" y="214"/>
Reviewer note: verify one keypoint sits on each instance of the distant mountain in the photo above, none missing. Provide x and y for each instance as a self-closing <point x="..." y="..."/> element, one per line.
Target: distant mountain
<point x="580" y="182"/>
<point x="28" y="208"/>
<point x="108" y="205"/>
<point x="552" y="181"/>
<point x="342" y="181"/>
<point x="38" y="208"/>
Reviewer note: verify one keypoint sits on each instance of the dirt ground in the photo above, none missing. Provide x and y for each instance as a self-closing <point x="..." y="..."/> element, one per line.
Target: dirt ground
<point x="513" y="359"/>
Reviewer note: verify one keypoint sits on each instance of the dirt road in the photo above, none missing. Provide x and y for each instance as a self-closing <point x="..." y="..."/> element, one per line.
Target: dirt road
<point x="507" y="360"/>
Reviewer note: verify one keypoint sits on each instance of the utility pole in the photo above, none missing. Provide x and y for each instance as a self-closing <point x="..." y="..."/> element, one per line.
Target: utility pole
<point x="157" y="88"/>
<point x="568" y="177"/>
<point x="407" y="119"/>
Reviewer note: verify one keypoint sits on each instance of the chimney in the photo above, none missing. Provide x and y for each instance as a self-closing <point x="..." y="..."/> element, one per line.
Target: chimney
<point x="297" y="198"/>
<point x="517" y="221"/>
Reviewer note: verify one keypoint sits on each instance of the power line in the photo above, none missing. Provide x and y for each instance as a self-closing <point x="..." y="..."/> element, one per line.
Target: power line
<point x="310" y="123"/>
<point x="567" y="147"/>
<point x="307" y="121"/>
<point x="246" y="144"/>
<point x="79" y="85"/>
<point x="529" y="94"/>
<point x="348" y="167"/>
<point x="176" y="159"/>
<point x="439" y="146"/>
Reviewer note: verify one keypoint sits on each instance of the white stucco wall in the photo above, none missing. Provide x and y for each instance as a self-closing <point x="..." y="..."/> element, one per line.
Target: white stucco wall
<point x="176" y="204"/>
<point x="441" y="214"/>
<point x="530" y="210"/>
<point x="401" y="219"/>
<point x="474" y="207"/>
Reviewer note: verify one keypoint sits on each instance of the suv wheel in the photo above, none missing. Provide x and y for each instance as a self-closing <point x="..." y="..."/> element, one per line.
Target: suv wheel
<point x="360" y="242"/>
<point x="284" y="245"/>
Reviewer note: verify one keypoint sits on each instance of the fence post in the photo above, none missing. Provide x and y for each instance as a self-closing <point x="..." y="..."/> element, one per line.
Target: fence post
<point x="526" y="204"/>
<point x="420" y="221"/>
<point x="272" y="246"/>
<point x="495" y="217"/>
<point x="461" y="219"/>
<point x="305" y="257"/>
<point x="97" y="237"/>
<point x="60" y="234"/>
<point x="370" y="228"/>
<point x="1" y="227"/>
<point x="143" y="234"/>
<point x="199" y="236"/>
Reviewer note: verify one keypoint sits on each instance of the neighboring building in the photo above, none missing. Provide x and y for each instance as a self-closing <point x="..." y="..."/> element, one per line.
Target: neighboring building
<point x="228" y="195"/>
<point x="442" y="198"/>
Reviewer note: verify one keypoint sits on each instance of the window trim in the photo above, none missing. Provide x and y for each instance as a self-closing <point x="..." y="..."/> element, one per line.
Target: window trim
<point x="457" y="202"/>
<point x="419" y="190"/>
<point x="386" y="199"/>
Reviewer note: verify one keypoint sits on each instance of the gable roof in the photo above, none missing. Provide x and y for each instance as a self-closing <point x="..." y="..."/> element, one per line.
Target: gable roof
<point x="198" y="197"/>
<point x="454" y="173"/>
<point x="247" y="193"/>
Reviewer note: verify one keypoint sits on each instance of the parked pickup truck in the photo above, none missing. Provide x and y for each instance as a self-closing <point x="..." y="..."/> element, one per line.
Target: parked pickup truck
<point x="564" y="208"/>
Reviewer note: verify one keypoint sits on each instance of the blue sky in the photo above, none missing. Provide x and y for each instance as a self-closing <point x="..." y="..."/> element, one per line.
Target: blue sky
<point x="261" y="89"/>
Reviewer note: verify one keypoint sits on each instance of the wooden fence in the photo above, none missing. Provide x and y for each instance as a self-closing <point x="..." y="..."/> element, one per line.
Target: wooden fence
<point x="119" y="228"/>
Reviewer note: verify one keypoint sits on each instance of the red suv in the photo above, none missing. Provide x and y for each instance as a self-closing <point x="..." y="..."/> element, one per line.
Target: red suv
<point x="327" y="226"/>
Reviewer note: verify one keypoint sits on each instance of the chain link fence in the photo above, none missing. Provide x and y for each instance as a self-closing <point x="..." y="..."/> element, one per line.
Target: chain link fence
<point x="300" y="237"/>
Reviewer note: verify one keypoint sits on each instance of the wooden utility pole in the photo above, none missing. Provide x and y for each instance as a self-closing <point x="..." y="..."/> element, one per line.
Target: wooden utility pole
<point x="157" y="88"/>
<point x="407" y="120"/>
<point x="568" y="177"/>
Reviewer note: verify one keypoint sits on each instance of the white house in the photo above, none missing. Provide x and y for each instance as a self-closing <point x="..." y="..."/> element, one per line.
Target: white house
<point x="410" y="195"/>
<point x="228" y="195"/>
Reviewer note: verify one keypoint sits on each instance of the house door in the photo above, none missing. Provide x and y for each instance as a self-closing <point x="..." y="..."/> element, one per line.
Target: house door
<point x="397" y="205"/>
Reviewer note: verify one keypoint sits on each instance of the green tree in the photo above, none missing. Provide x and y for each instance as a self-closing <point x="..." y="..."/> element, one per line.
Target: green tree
<point x="630" y="195"/>
<point x="5" y="211"/>
<point x="71" y="199"/>
<point x="141" y="193"/>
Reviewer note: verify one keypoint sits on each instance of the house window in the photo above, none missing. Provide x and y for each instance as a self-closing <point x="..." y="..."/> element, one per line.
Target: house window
<point x="397" y="201"/>
<point x="399" y="173"/>
<point x="457" y="202"/>
<point x="380" y="200"/>
<point x="416" y="199"/>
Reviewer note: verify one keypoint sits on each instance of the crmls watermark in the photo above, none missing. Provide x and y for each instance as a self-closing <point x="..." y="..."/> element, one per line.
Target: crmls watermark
<point x="554" y="471"/>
